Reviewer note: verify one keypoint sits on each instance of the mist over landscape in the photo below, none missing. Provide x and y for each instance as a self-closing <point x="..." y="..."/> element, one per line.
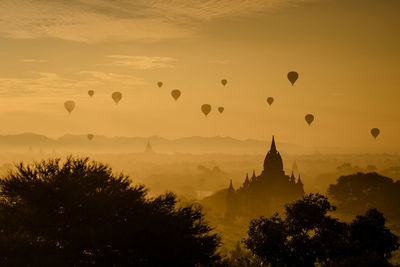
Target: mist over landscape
<point x="29" y="142"/>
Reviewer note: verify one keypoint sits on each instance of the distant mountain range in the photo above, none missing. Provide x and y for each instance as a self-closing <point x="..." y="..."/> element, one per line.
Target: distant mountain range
<point x="194" y="144"/>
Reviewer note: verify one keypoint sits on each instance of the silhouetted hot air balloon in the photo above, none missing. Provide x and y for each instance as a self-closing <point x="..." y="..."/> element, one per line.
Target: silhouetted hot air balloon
<point x="221" y="109"/>
<point x="224" y="82"/>
<point x="309" y="118"/>
<point x="176" y="94"/>
<point x="375" y="132"/>
<point x="206" y="108"/>
<point x="90" y="137"/>
<point x="116" y="96"/>
<point x="293" y="76"/>
<point x="160" y="84"/>
<point x="90" y="93"/>
<point x="69" y="106"/>
<point x="270" y="100"/>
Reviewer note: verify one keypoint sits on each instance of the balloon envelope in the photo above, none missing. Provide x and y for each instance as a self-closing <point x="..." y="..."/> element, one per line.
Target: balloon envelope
<point x="69" y="105"/>
<point x="270" y="100"/>
<point x="159" y="84"/>
<point x="221" y="109"/>
<point x="224" y="82"/>
<point x="309" y="118"/>
<point x="116" y="96"/>
<point x="293" y="76"/>
<point x="375" y="132"/>
<point x="90" y="137"/>
<point x="206" y="108"/>
<point x="176" y="94"/>
<point x="90" y="93"/>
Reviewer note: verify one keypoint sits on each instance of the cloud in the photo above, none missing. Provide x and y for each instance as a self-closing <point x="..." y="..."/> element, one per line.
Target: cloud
<point x="45" y="90"/>
<point x="47" y="83"/>
<point x="84" y="21"/>
<point x="220" y="61"/>
<point x="142" y="62"/>
<point x="31" y="60"/>
<point x="119" y="20"/>
<point x="43" y="84"/>
<point x="114" y="78"/>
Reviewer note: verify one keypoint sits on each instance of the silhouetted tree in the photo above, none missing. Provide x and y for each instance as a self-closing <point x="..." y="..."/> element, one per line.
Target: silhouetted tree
<point x="359" y="192"/>
<point x="308" y="236"/>
<point x="77" y="213"/>
<point x="240" y="257"/>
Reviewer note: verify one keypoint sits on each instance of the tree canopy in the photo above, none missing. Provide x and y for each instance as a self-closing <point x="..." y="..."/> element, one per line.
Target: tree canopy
<point x="78" y="213"/>
<point x="359" y="192"/>
<point x="308" y="235"/>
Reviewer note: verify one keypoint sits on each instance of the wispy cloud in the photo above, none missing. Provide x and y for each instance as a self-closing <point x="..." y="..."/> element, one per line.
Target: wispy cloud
<point x="119" y="20"/>
<point x="220" y="61"/>
<point x="115" y="78"/>
<point x="142" y="62"/>
<point x="43" y="84"/>
<point x="31" y="60"/>
<point x="52" y="84"/>
<point x="45" y="90"/>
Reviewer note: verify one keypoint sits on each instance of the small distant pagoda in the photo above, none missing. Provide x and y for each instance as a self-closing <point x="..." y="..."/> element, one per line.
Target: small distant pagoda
<point x="148" y="149"/>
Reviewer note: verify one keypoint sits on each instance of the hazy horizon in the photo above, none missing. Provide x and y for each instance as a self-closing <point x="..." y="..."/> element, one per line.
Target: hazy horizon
<point x="187" y="144"/>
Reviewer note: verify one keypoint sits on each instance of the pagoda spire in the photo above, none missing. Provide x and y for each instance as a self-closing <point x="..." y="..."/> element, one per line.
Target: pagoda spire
<point x="231" y="186"/>
<point x="292" y="178"/>
<point x="254" y="175"/>
<point x="247" y="181"/>
<point x="273" y="146"/>
<point x="299" y="182"/>
<point x="148" y="148"/>
<point x="273" y="161"/>
<point x="231" y="205"/>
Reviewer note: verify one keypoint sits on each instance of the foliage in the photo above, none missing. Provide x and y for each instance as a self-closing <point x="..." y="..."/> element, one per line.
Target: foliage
<point x="77" y="213"/>
<point x="359" y="192"/>
<point x="240" y="257"/>
<point x="308" y="236"/>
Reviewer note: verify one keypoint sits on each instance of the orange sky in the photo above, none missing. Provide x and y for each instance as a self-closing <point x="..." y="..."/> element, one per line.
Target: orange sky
<point x="346" y="52"/>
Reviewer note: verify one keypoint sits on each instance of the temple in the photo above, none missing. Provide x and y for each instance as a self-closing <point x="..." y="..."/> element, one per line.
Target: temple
<point x="266" y="193"/>
<point x="148" y="149"/>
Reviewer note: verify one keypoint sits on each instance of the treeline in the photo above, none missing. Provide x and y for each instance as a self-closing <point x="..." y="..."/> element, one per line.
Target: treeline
<point x="78" y="213"/>
<point x="356" y="193"/>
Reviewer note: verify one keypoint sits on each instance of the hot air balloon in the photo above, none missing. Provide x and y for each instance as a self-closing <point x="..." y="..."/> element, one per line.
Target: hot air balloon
<point x="69" y="106"/>
<point x="206" y="108"/>
<point x="309" y="118"/>
<point x="176" y="94"/>
<point x="116" y="96"/>
<point x="375" y="132"/>
<point x="293" y="76"/>
<point x="221" y="109"/>
<point x="160" y="84"/>
<point x="90" y="137"/>
<point x="270" y="100"/>
<point x="90" y="93"/>
<point x="224" y="82"/>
